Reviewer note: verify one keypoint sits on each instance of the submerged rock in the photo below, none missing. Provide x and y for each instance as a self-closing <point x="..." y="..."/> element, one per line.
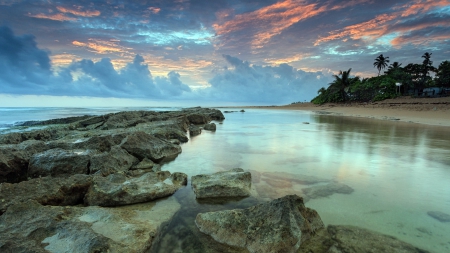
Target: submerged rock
<point x="440" y="216"/>
<point x="117" y="189"/>
<point x="281" y="225"/>
<point x="350" y="239"/>
<point x="31" y="227"/>
<point x="232" y="183"/>
<point x="321" y="191"/>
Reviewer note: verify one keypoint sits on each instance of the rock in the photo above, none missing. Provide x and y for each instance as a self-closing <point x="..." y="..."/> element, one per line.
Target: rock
<point x="99" y="143"/>
<point x="58" y="163"/>
<point x="242" y="110"/>
<point x="350" y="239"/>
<point x="142" y="145"/>
<point x="31" y="227"/>
<point x="46" y="191"/>
<point x="145" y="164"/>
<point x="198" y="119"/>
<point x="440" y="216"/>
<point x="117" y="189"/>
<point x="117" y="160"/>
<point x="281" y="225"/>
<point x="194" y="130"/>
<point x="321" y="191"/>
<point x="13" y="165"/>
<point x="232" y="183"/>
<point x="210" y="127"/>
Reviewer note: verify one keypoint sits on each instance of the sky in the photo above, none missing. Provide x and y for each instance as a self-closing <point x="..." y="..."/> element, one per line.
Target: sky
<point x="204" y="52"/>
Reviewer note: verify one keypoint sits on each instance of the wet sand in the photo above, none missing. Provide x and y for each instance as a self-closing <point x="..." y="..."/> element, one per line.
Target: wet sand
<point x="430" y="111"/>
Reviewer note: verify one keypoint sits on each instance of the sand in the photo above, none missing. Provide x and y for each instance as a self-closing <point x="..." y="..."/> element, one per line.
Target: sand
<point x="430" y="111"/>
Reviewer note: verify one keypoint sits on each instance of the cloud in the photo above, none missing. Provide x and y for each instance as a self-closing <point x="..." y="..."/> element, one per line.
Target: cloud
<point x="26" y="69"/>
<point x="245" y="82"/>
<point x="78" y="11"/>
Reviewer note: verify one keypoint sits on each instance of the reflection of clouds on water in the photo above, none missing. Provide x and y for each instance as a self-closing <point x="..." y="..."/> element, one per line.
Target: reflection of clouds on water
<point x="297" y="160"/>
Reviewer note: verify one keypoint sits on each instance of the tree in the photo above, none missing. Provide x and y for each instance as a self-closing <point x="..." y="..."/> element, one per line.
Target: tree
<point x="341" y="83"/>
<point x="443" y="74"/>
<point x="381" y="62"/>
<point x="427" y="66"/>
<point x="393" y="67"/>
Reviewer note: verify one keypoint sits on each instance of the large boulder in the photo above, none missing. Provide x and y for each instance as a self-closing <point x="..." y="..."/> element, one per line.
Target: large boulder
<point x="117" y="160"/>
<point x="281" y="225"/>
<point x="194" y="130"/>
<point x="13" y="165"/>
<point x="232" y="183"/>
<point x="198" y="118"/>
<point x="210" y="127"/>
<point x="142" y="145"/>
<point x="31" y="227"/>
<point x="58" y="163"/>
<point x="46" y="191"/>
<point x="117" y="189"/>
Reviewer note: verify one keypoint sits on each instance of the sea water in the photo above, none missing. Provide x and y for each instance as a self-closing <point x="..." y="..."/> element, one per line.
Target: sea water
<point x="399" y="171"/>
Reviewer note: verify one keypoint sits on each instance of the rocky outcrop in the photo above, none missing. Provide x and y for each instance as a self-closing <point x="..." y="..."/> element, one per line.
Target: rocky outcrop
<point x="117" y="189"/>
<point x="194" y="130"/>
<point x="46" y="191"/>
<point x="210" y="127"/>
<point x="31" y="227"/>
<point x="59" y="163"/>
<point x="232" y="183"/>
<point x="281" y="225"/>
<point x="142" y="145"/>
<point x="116" y="161"/>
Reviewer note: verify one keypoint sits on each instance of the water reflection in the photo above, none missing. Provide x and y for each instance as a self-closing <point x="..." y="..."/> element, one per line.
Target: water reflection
<point x="381" y="175"/>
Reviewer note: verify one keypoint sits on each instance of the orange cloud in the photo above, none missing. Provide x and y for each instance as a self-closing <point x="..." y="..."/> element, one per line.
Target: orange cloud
<point x="373" y="28"/>
<point x="154" y="10"/>
<point x="63" y="59"/>
<point x="421" y="6"/>
<point x="101" y="47"/>
<point x="289" y="59"/>
<point x="56" y="17"/>
<point x="418" y="40"/>
<point x="78" y="12"/>
<point x="269" y="21"/>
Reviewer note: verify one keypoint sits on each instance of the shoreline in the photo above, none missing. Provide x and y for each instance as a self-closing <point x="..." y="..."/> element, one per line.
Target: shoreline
<point x="428" y="111"/>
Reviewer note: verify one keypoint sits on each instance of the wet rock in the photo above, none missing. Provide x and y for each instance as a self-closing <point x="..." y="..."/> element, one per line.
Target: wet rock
<point x="145" y="164"/>
<point x="117" y="189"/>
<point x="31" y="227"/>
<point x="242" y="110"/>
<point x="321" y="191"/>
<point x="194" y="130"/>
<point x="350" y="239"/>
<point x="232" y="183"/>
<point x="13" y="165"/>
<point x="198" y="119"/>
<point x="281" y="225"/>
<point x="58" y="163"/>
<point x="46" y="191"/>
<point x="210" y="127"/>
<point x="99" y="143"/>
<point x="142" y="145"/>
<point x="440" y="216"/>
<point x="117" y="160"/>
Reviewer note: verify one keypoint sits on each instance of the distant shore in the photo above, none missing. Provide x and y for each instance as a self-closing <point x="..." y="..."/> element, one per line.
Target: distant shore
<point x="430" y="111"/>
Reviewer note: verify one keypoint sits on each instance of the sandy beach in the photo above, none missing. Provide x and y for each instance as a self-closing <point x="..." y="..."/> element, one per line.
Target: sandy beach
<point x="430" y="111"/>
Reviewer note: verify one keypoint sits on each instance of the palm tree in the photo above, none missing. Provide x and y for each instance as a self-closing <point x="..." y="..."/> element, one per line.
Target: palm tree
<point x="341" y="83"/>
<point x="393" y="67"/>
<point x="427" y="61"/>
<point x="381" y="62"/>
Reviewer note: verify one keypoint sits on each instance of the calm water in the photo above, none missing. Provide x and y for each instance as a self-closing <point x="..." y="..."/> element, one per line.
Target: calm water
<point x="399" y="171"/>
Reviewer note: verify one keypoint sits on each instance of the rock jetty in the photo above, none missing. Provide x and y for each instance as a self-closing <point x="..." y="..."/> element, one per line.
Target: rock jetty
<point x="92" y="183"/>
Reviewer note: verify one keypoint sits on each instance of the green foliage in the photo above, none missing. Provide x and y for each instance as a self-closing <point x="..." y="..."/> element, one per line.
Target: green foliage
<point x="413" y="76"/>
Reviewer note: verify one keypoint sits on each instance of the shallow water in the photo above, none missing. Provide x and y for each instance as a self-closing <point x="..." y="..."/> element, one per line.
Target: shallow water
<point x="399" y="171"/>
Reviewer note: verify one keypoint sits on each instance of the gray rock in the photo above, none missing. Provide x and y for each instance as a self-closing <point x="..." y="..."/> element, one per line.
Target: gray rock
<point x="321" y="191"/>
<point x="281" y="225"/>
<point x="46" y="191"/>
<point x="198" y="119"/>
<point x="145" y="164"/>
<point x="210" y="127"/>
<point x="13" y="165"/>
<point x="142" y="145"/>
<point x="117" y="160"/>
<point x="440" y="216"/>
<point x="117" y="189"/>
<point x="232" y="183"/>
<point x="31" y="227"/>
<point x="194" y="130"/>
<point x="58" y="163"/>
<point x="350" y="239"/>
